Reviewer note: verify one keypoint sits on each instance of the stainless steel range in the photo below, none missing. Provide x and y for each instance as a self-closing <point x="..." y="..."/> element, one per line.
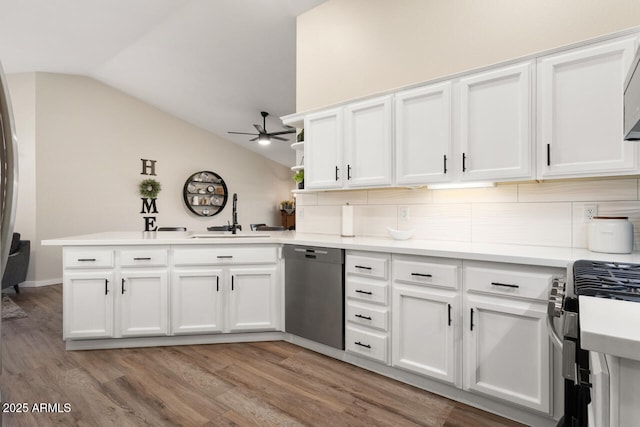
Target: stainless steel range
<point x="586" y="377"/>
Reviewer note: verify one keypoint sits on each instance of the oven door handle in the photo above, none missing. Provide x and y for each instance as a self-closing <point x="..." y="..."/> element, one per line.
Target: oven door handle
<point x="553" y="333"/>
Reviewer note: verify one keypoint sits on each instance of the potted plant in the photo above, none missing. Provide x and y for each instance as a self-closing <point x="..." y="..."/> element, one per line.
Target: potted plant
<point x="298" y="177"/>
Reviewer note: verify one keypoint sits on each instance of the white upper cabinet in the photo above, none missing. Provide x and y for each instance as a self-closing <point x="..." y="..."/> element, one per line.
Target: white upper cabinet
<point x="494" y="124"/>
<point x="368" y="145"/>
<point x="323" y="150"/>
<point x="580" y="112"/>
<point x="349" y="146"/>
<point x="423" y="134"/>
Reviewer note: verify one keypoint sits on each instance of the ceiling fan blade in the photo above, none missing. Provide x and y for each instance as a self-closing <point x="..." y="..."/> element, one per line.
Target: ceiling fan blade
<point x="278" y="138"/>
<point x="254" y="139"/>
<point x="243" y="133"/>
<point x="260" y="128"/>
<point x="283" y="132"/>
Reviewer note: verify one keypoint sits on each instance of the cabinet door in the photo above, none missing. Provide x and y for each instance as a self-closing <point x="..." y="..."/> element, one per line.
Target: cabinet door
<point x="507" y="353"/>
<point x="369" y="143"/>
<point x="323" y="150"/>
<point x="495" y="124"/>
<point x="423" y="135"/>
<point x="253" y="299"/>
<point x="423" y="335"/>
<point x="196" y="301"/>
<point x="143" y="303"/>
<point x="88" y="304"/>
<point x="580" y="120"/>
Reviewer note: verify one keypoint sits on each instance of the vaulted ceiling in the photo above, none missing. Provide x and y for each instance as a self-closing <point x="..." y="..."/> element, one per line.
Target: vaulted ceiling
<point x="213" y="63"/>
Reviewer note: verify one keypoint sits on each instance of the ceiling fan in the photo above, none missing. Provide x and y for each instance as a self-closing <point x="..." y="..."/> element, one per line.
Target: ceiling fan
<point x="263" y="137"/>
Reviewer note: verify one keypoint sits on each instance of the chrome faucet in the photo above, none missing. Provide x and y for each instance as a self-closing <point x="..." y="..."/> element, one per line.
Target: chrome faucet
<point x="234" y="216"/>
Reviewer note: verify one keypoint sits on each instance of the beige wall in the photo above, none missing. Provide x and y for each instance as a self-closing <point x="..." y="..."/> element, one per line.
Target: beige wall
<point x="89" y="139"/>
<point x="352" y="48"/>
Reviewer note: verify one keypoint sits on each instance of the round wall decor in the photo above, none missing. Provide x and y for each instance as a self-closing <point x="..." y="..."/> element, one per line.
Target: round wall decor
<point x="205" y="193"/>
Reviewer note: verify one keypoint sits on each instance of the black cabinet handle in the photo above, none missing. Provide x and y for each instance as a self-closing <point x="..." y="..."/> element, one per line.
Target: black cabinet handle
<point x="225" y="256"/>
<point x="106" y="287"/>
<point x="337" y="170"/>
<point x="142" y="259"/>
<point x="421" y="275"/>
<point x="217" y="283"/>
<point x="363" y="292"/>
<point x="464" y="162"/>
<point x="471" y="323"/>
<point x="232" y="282"/>
<point x="123" y="286"/>
<point x="363" y="317"/>
<point x="362" y="267"/>
<point x="505" y="285"/>
<point x="445" y="163"/>
<point x="449" y="314"/>
<point x="348" y="172"/>
<point x="362" y="345"/>
<point x="548" y="154"/>
<point x="86" y="259"/>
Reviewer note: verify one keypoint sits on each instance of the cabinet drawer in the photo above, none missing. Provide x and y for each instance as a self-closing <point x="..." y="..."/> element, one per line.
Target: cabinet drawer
<point x="224" y="255"/>
<point x="366" y="315"/>
<point x="367" y="290"/>
<point x="367" y="265"/>
<point x="143" y="257"/>
<point x="505" y="281"/>
<point x="366" y="343"/>
<point x="423" y="272"/>
<point x="87" y="257"/>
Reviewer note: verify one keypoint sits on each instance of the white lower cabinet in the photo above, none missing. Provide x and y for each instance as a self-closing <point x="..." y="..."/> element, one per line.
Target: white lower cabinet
<point x="196" y="301"/>
<point x="426" y="313"/>
<point x="224" y="289"/>
<point x="136" y="292"/>
<point x="253" y="299"/>
<point x="367" y="305"/>
<point x="143" y="302"/>
<point x="88" y="304"/>
<point x="507" y="353"/>
<point x="102" y="300"/>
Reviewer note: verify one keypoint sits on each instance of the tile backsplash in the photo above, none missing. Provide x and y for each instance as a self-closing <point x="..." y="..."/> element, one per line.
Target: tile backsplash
<point x="545" y="214"/>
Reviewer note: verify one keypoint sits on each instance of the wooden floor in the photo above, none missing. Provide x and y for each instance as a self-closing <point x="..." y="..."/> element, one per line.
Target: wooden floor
<point x="263" y="384"/>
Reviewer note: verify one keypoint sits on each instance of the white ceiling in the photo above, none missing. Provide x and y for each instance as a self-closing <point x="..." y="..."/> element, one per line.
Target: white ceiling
<point x="213" y="63"/>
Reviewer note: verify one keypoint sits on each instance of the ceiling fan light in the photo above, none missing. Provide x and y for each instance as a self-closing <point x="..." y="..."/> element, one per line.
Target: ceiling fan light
<point x="264" y="139"/>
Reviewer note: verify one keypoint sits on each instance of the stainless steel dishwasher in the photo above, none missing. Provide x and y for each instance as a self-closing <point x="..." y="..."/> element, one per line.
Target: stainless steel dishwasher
<point x="314" y="294"/>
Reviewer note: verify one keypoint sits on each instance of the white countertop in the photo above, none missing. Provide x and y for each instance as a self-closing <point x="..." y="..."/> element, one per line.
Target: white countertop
<point x="610" y="326"/>
<point x="520" y="254"/>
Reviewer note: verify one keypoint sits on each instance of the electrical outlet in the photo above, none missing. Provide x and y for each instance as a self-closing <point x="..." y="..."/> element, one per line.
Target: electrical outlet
<point x="404" y="213"/>
<point x="301" y="213"/>
<point x="589" y="212"/>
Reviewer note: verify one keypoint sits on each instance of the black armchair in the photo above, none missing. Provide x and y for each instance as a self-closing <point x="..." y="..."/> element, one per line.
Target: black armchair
<point x="17" y="263"/>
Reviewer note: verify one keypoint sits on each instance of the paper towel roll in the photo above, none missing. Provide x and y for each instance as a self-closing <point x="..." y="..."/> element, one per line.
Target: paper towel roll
<point x="347" y="221"/>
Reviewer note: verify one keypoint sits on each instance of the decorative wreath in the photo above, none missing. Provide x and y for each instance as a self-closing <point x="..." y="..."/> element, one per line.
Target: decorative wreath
<point x="150" y="188"/>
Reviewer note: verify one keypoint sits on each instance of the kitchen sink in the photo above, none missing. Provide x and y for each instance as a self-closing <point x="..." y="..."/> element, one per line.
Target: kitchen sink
<point x="226" y="236"/>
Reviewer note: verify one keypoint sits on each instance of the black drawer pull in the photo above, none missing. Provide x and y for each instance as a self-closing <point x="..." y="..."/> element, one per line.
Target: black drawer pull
<point x="449" y="314"/>
<point x="225" y="256"/>
<point x="123" y="286"/>
<point x="505" y="285"/>
<point x="337" y="170"/>
<point x="362" y="345"/>
<point x="363" y="267"/>
<point x="142" y="259"/>
<point x="421" y="275"/>
<point x="471" y="322"/>
<point x="363" y="317"/>
<point x="358" y="291"/>
<point x="106" y="287"/>
<point x="86" y="259"/>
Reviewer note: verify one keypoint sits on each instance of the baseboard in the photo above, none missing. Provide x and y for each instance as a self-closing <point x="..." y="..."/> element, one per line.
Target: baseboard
<point x="40" y="283"/>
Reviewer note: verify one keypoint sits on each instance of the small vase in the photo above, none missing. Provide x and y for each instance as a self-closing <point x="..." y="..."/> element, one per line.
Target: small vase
<point x="301" y="185"/>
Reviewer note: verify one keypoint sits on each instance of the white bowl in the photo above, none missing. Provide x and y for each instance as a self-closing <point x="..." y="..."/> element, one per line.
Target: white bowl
<point x="400" y="234"/>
